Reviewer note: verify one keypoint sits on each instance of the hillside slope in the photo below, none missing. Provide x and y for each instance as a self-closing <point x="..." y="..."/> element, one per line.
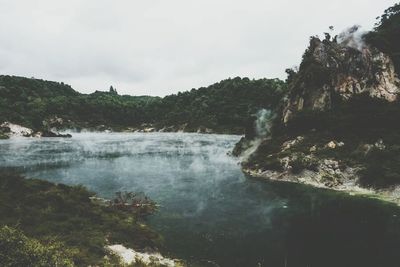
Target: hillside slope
<point x="224" y="107"/>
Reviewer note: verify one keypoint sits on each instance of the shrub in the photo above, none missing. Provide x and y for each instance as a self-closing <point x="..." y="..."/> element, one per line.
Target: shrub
<point x="18" y="250"/>
<point x="301" y="163"/>
<point x="43" y="211"/>
<point x="382" y="168"/>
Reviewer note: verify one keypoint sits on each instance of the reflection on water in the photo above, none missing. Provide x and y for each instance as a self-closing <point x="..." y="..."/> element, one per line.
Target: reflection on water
<point x="210" y="213"/>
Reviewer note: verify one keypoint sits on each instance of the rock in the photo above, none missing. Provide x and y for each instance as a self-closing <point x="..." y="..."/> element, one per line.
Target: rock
<point x="366" y="148"/>
<point x="330" y="167"/>
<point x="168" y="129"/>
<point x="149" y="130"/>
<point x="334" y="144"/>
<point x="204" y="130"/>
<point x="47" y="133"/>
<point x="285" y="163"/>
<point x="289" y="144"/>
<point x="313" y="149"/>
<point x="380" y="145"/>
<point x="331" y="145"/>
<point x="16" y="130"/>
<point x="130" y="256"/>
<point x="129" y="130"/>
<point x="103" y="128"/>
<point x="340" y="144"/>
<point x="331" y="163"/>
<point x="53" y="122"/>
<point x="343" y="70"/>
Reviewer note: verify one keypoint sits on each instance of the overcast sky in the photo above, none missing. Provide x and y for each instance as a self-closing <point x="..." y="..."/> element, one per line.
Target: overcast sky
<point x="158" y="47"/>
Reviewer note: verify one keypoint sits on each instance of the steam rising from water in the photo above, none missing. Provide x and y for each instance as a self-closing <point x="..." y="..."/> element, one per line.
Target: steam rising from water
<point x="263" y="122"/>
<point x="172" y="169"/>
<point x="262" y="127"/>
<point x="209" y="210"/>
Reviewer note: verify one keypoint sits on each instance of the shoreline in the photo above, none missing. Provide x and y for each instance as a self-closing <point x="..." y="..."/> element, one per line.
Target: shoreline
<point x="353" y="189"/>
<point x="12" y="130"/>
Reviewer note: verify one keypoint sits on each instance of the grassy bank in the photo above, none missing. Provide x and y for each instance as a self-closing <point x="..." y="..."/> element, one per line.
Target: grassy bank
<point x="43" y="217"/>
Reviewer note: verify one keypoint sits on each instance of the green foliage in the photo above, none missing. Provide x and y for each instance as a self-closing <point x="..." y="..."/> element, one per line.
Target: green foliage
<point x="224" y="107"/>
<point x="18" y="250"/>
<point x="266" y="156"/>
<point x="358" y="121"/>
<point x="273" y="164"/>
<point x="382" y="168"/>
<point x="386" y="35"/>
<point x="47" y="212"/>
<point x="19" y="96"/>
<point x="301" y="162"/>
<point x="361" y="117"/>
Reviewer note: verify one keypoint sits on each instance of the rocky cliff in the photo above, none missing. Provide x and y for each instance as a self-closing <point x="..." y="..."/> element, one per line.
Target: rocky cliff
<point x="337" y="126"/>
<point x="340" y="67"/>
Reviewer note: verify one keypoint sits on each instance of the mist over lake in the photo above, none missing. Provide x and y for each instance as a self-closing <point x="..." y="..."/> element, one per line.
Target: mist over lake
<point x="211" y="214"/>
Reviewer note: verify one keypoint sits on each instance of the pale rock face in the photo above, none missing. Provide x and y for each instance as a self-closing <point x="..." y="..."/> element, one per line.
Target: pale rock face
<point x="17" y="130"/>
<point x="289" y="144"/>
<point x="331" y="145"/>
<point x="130" y="256"/>
<point x="344" y="71"/>
<point x="386" y="85"/>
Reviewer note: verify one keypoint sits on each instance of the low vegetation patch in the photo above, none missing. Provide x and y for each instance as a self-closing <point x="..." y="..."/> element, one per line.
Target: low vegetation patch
<point x="18" y="250"/>
<point x="45" y="214"/>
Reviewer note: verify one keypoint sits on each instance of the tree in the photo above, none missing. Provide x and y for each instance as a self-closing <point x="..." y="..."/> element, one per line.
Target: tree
<point x="113" y="90"/>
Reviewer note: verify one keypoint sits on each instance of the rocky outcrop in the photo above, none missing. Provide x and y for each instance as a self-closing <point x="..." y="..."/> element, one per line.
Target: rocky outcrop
<point x="12" y="129"/>
<point x="131" y="257"/>
<point x="300" y="161"/>
<point x="8" y="130"/>
<point x="340" y="67"/>
<point x="180" y="128"/>
<point x="49" y="133"/>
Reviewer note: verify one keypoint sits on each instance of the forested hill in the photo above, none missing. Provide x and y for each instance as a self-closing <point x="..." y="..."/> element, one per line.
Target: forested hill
<point x="224" y="107"/>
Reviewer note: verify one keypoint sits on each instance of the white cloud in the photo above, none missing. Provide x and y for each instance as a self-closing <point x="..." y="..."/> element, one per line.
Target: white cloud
<point x="159" y="47"/>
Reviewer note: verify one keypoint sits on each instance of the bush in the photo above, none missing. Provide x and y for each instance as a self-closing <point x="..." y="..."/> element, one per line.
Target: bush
<point x="382" y="168"/>
<point x="18" y="250"/>
<point x="43" y="211"/>
<point x="301" y="163"/>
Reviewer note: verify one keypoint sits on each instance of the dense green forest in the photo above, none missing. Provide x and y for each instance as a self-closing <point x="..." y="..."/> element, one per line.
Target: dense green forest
<point x="224" y="107"/>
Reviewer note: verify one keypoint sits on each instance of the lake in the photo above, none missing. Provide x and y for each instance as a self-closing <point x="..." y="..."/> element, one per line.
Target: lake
<point x="210" y="213"/>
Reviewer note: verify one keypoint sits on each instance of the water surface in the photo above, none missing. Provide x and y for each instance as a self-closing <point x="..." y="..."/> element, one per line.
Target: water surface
<point x="211" y="214"/>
